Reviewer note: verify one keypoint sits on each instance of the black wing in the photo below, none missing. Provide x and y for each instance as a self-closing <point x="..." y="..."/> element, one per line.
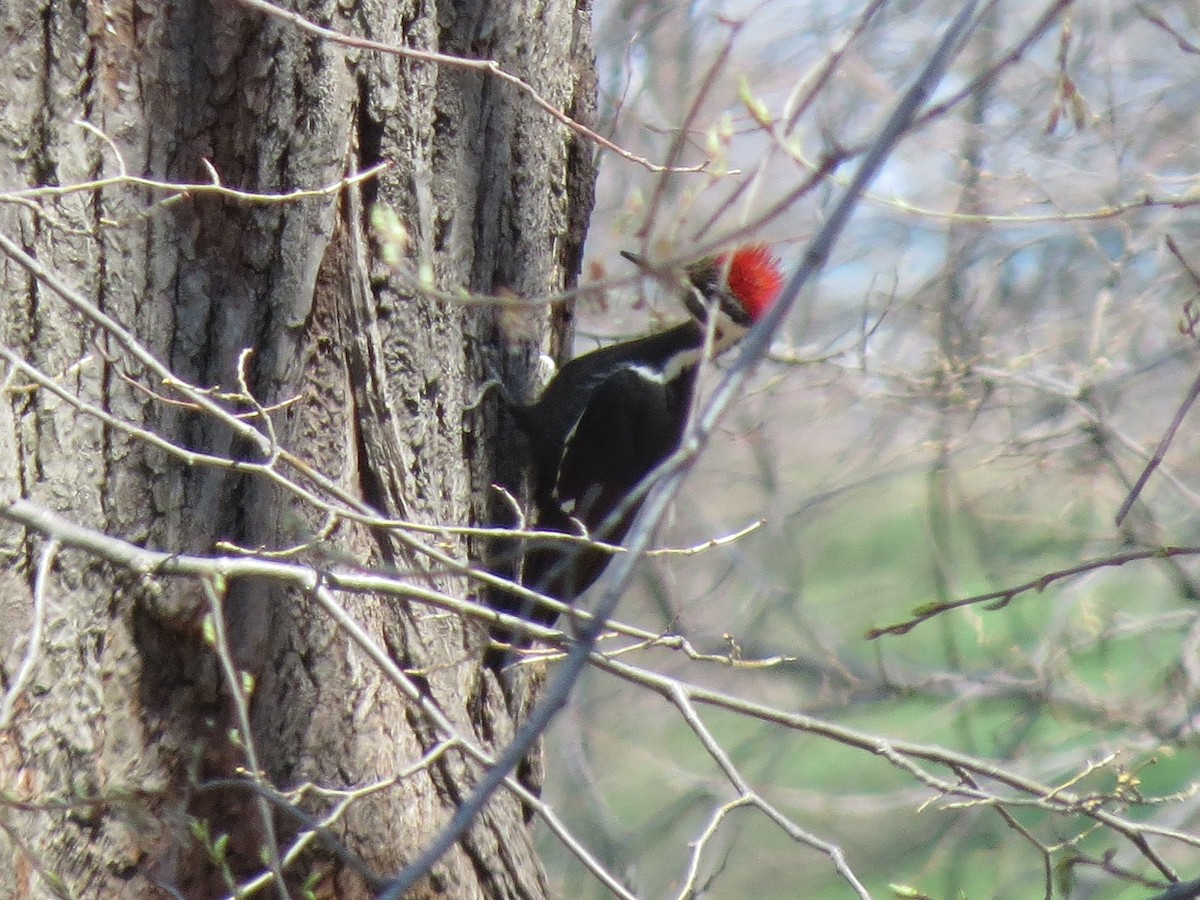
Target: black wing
<point x="632" y="423"/>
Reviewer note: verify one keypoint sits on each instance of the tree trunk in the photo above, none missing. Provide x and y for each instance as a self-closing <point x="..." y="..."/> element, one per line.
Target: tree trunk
<point x="122" y="762"/>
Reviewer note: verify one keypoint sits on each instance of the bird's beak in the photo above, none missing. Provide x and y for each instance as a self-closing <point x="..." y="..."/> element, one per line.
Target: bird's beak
<point x="691" y="298"/>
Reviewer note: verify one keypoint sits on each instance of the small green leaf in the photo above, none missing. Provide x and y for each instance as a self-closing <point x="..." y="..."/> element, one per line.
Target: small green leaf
<point x="712" y="143"/>
<point x="929" y="609"/>
<point x="390" y="233"/>
<point x="757" y="108"/>
<point x="208" y="629"/>
<point x="199" y="829"/>
<point x="1064" y="875"/>
<point x="908" y="892"/>
<point x="220" y="848"/>
<point x="425" y="274"/>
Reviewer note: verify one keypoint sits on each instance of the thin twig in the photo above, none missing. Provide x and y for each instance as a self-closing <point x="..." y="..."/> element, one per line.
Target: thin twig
<point x="679" y="696"/>
<point x="214" y="589"/>
<point x="1160" y="451"/>
<point x="1001" y="598"/>
<point x="181" y="189"/>
<point x="34" y="645"/>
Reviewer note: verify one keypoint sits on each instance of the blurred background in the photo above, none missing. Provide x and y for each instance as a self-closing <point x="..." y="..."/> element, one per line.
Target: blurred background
<point x="959" y="405"/>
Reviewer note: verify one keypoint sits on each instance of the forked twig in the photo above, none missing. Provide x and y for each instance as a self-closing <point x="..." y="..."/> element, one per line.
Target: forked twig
<point x="1188" y="326"/>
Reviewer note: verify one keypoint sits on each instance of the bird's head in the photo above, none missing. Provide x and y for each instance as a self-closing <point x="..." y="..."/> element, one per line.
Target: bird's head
<point x="741" y="285"/>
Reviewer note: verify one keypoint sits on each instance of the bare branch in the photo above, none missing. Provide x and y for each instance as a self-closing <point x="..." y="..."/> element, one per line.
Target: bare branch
<point x="33" y="646"/>
<point x="1001" y="598"/>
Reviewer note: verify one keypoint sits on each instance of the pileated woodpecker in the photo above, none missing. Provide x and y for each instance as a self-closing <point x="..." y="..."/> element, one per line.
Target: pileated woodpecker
<point x="609" y="417"/>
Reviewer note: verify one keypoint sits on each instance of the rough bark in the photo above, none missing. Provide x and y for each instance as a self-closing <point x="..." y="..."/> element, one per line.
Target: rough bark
<point x="126" y="715"/>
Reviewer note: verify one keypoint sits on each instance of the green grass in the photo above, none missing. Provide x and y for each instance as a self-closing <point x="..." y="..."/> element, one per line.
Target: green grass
<point x="865" y="561"/>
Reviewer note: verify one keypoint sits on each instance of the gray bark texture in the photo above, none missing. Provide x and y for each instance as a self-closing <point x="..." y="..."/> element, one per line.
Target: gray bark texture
<point x="117" y="761"/>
